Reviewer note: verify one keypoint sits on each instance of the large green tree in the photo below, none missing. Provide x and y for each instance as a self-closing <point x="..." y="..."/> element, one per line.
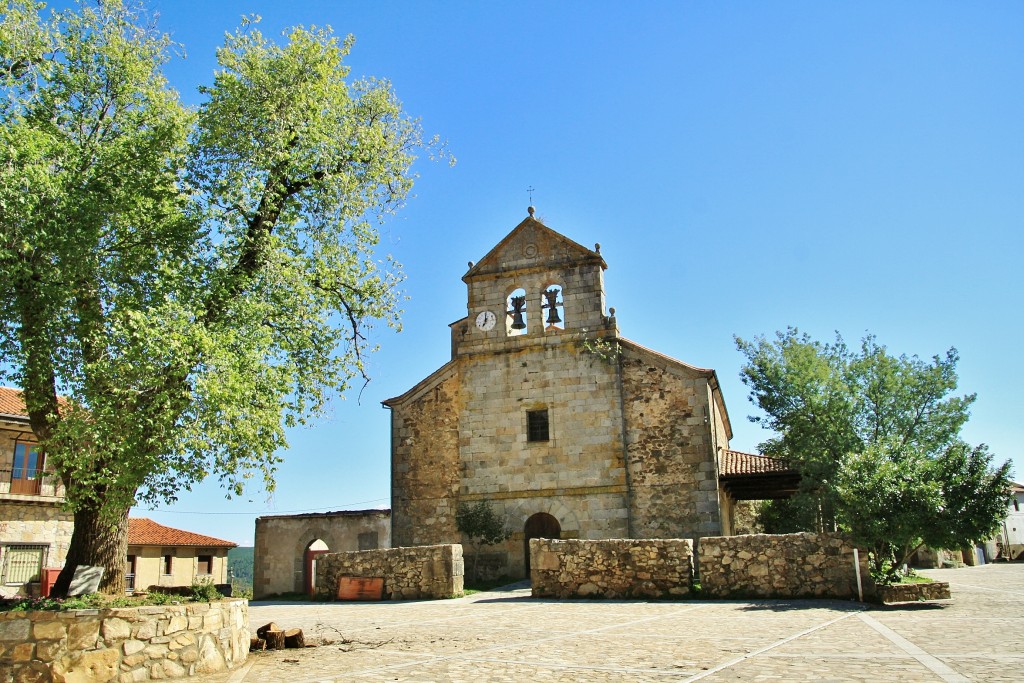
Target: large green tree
<point x="876" y="438"/>
<point x="190" y="281"/>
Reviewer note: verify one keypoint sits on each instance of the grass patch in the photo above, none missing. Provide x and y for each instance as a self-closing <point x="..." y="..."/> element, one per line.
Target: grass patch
<point x="914" y="578"/>
<point x="292" y="596"/>
<point x="488" y="585"/>
<point x="96" y="601"/>
<point x="197" y="592"/>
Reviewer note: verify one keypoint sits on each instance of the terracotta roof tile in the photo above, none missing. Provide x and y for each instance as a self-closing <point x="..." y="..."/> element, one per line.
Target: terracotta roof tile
<point x="737" y="462"/>
<point x="142" y="531"/>
<point x="11" y="402"/>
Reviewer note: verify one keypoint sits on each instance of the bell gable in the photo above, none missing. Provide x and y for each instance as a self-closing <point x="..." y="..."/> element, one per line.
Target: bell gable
<point x="533" y="246"/>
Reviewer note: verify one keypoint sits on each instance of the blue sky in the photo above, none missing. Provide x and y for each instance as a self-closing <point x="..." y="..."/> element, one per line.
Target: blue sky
<point x="745" y="166"/>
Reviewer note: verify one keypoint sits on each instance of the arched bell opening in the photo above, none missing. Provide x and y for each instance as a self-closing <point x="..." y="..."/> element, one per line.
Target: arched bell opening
<point x="553" y="308"/>
<point x="313" y="551"/>
<point x="515" y="313"/>
<point x="539" y="525"/>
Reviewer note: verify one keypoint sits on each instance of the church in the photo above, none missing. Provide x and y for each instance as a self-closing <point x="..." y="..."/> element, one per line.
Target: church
<point x="565" y="427"/>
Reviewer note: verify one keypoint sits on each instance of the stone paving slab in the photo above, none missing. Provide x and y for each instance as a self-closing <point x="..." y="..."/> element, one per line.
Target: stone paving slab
<point x="509" y="636"/>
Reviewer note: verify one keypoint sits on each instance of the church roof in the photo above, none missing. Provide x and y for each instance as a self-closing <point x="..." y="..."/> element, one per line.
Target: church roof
<point x="425" y="384"/>
<point x="532" y="244"/>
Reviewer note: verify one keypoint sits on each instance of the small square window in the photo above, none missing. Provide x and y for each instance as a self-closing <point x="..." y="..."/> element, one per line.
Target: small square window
<point x="204" y="564"/>
<point x="537" y="425"/>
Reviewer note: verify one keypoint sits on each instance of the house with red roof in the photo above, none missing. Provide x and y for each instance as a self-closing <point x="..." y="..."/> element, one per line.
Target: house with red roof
<point x="160" y="555"/>
<point x="34" y="531"/>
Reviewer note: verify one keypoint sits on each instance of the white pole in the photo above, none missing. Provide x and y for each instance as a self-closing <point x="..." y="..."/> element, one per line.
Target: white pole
<point x="856" y="568"/>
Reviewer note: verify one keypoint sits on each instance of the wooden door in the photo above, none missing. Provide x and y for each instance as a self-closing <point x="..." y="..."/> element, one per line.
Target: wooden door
<point x="28" y="469"/>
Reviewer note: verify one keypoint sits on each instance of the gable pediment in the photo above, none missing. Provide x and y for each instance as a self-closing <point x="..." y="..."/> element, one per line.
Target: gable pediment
<point x="530" y="245"/>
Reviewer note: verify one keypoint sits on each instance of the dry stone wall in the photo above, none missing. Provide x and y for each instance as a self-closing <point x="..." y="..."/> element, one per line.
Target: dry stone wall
<point x="123" y="645"/>
<point x="422" y="572"/>
<point x="615" y="568"/>
<point x="781" y="566"/>
<point x="912" y="592"/>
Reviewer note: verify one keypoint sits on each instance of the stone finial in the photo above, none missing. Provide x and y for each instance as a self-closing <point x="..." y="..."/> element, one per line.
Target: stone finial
<point x="611" y="312"/>
<point x="531" y="210"/>
<point x="597" y="247"/>
<point x="470" y="264"/>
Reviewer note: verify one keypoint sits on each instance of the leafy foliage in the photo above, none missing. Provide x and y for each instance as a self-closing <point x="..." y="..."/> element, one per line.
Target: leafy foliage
<point x="481" y="526"/>
<point x="193" y="282"/>
<point x="205" y="591"/>
<point x="480" y="523"/>
<point x="240" y="564"/>
<point x="88" y="601"/>
<point x="876" y="439"/>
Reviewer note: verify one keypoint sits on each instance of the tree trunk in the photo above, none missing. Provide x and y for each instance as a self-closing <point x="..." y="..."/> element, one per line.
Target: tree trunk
<point x="100" y="542"/>
<point x="293" y="638"/>
<point x="275" y="640"/>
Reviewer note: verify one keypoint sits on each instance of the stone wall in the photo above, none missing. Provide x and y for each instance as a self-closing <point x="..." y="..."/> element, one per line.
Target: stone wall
<point x="279" y="557"/>
<point x="781" y="566"/>
<point x="912" y="592"/>
<point x="422" y="572"/>
<point x="577" y="475"/>
<point x="124" y="645"/>
<point x="425" y="461"/>
<point x="44" y="525"/>
<point x="615" y="568"/>
<point x="673" y="479"/>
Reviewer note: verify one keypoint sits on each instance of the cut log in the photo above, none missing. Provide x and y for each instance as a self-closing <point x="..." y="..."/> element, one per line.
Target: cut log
<point x="257" y="644"/>
<point x="266" y="627"/>
<point x="293" y="638"/>
<point x="275" y="640"/>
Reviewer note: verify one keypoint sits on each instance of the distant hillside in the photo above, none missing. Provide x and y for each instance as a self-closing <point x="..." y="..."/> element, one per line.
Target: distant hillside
<point x="240" y="564"/>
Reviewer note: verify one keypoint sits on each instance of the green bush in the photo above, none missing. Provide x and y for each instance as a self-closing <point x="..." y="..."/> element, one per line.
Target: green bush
<point x="205" y="591"/>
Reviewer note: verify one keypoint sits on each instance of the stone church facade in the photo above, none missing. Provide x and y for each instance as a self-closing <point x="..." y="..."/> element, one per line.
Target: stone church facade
<point x="545" y="411"/>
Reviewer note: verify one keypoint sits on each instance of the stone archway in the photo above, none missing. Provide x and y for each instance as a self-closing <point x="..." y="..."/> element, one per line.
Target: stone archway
<point x="539" y="525"/>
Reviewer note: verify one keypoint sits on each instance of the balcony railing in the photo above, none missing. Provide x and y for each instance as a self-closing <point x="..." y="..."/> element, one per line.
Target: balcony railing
<point x="29" y="482"/>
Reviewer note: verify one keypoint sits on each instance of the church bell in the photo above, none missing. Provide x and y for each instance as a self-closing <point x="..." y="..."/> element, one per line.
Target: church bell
<point x="518" y="304"/>
<point x="552" y="305"/>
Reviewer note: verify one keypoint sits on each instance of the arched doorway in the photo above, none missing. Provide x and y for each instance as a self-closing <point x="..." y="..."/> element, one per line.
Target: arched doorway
<point x="313" y="550"/>
<point x="539" y="525"/>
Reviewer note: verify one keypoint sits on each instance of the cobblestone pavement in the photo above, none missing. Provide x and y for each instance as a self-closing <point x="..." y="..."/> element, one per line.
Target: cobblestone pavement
<point x="508" y="636"/>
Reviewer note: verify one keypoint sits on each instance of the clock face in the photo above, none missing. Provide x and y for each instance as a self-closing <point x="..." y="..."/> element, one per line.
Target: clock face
<point x="485" y="321"/>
